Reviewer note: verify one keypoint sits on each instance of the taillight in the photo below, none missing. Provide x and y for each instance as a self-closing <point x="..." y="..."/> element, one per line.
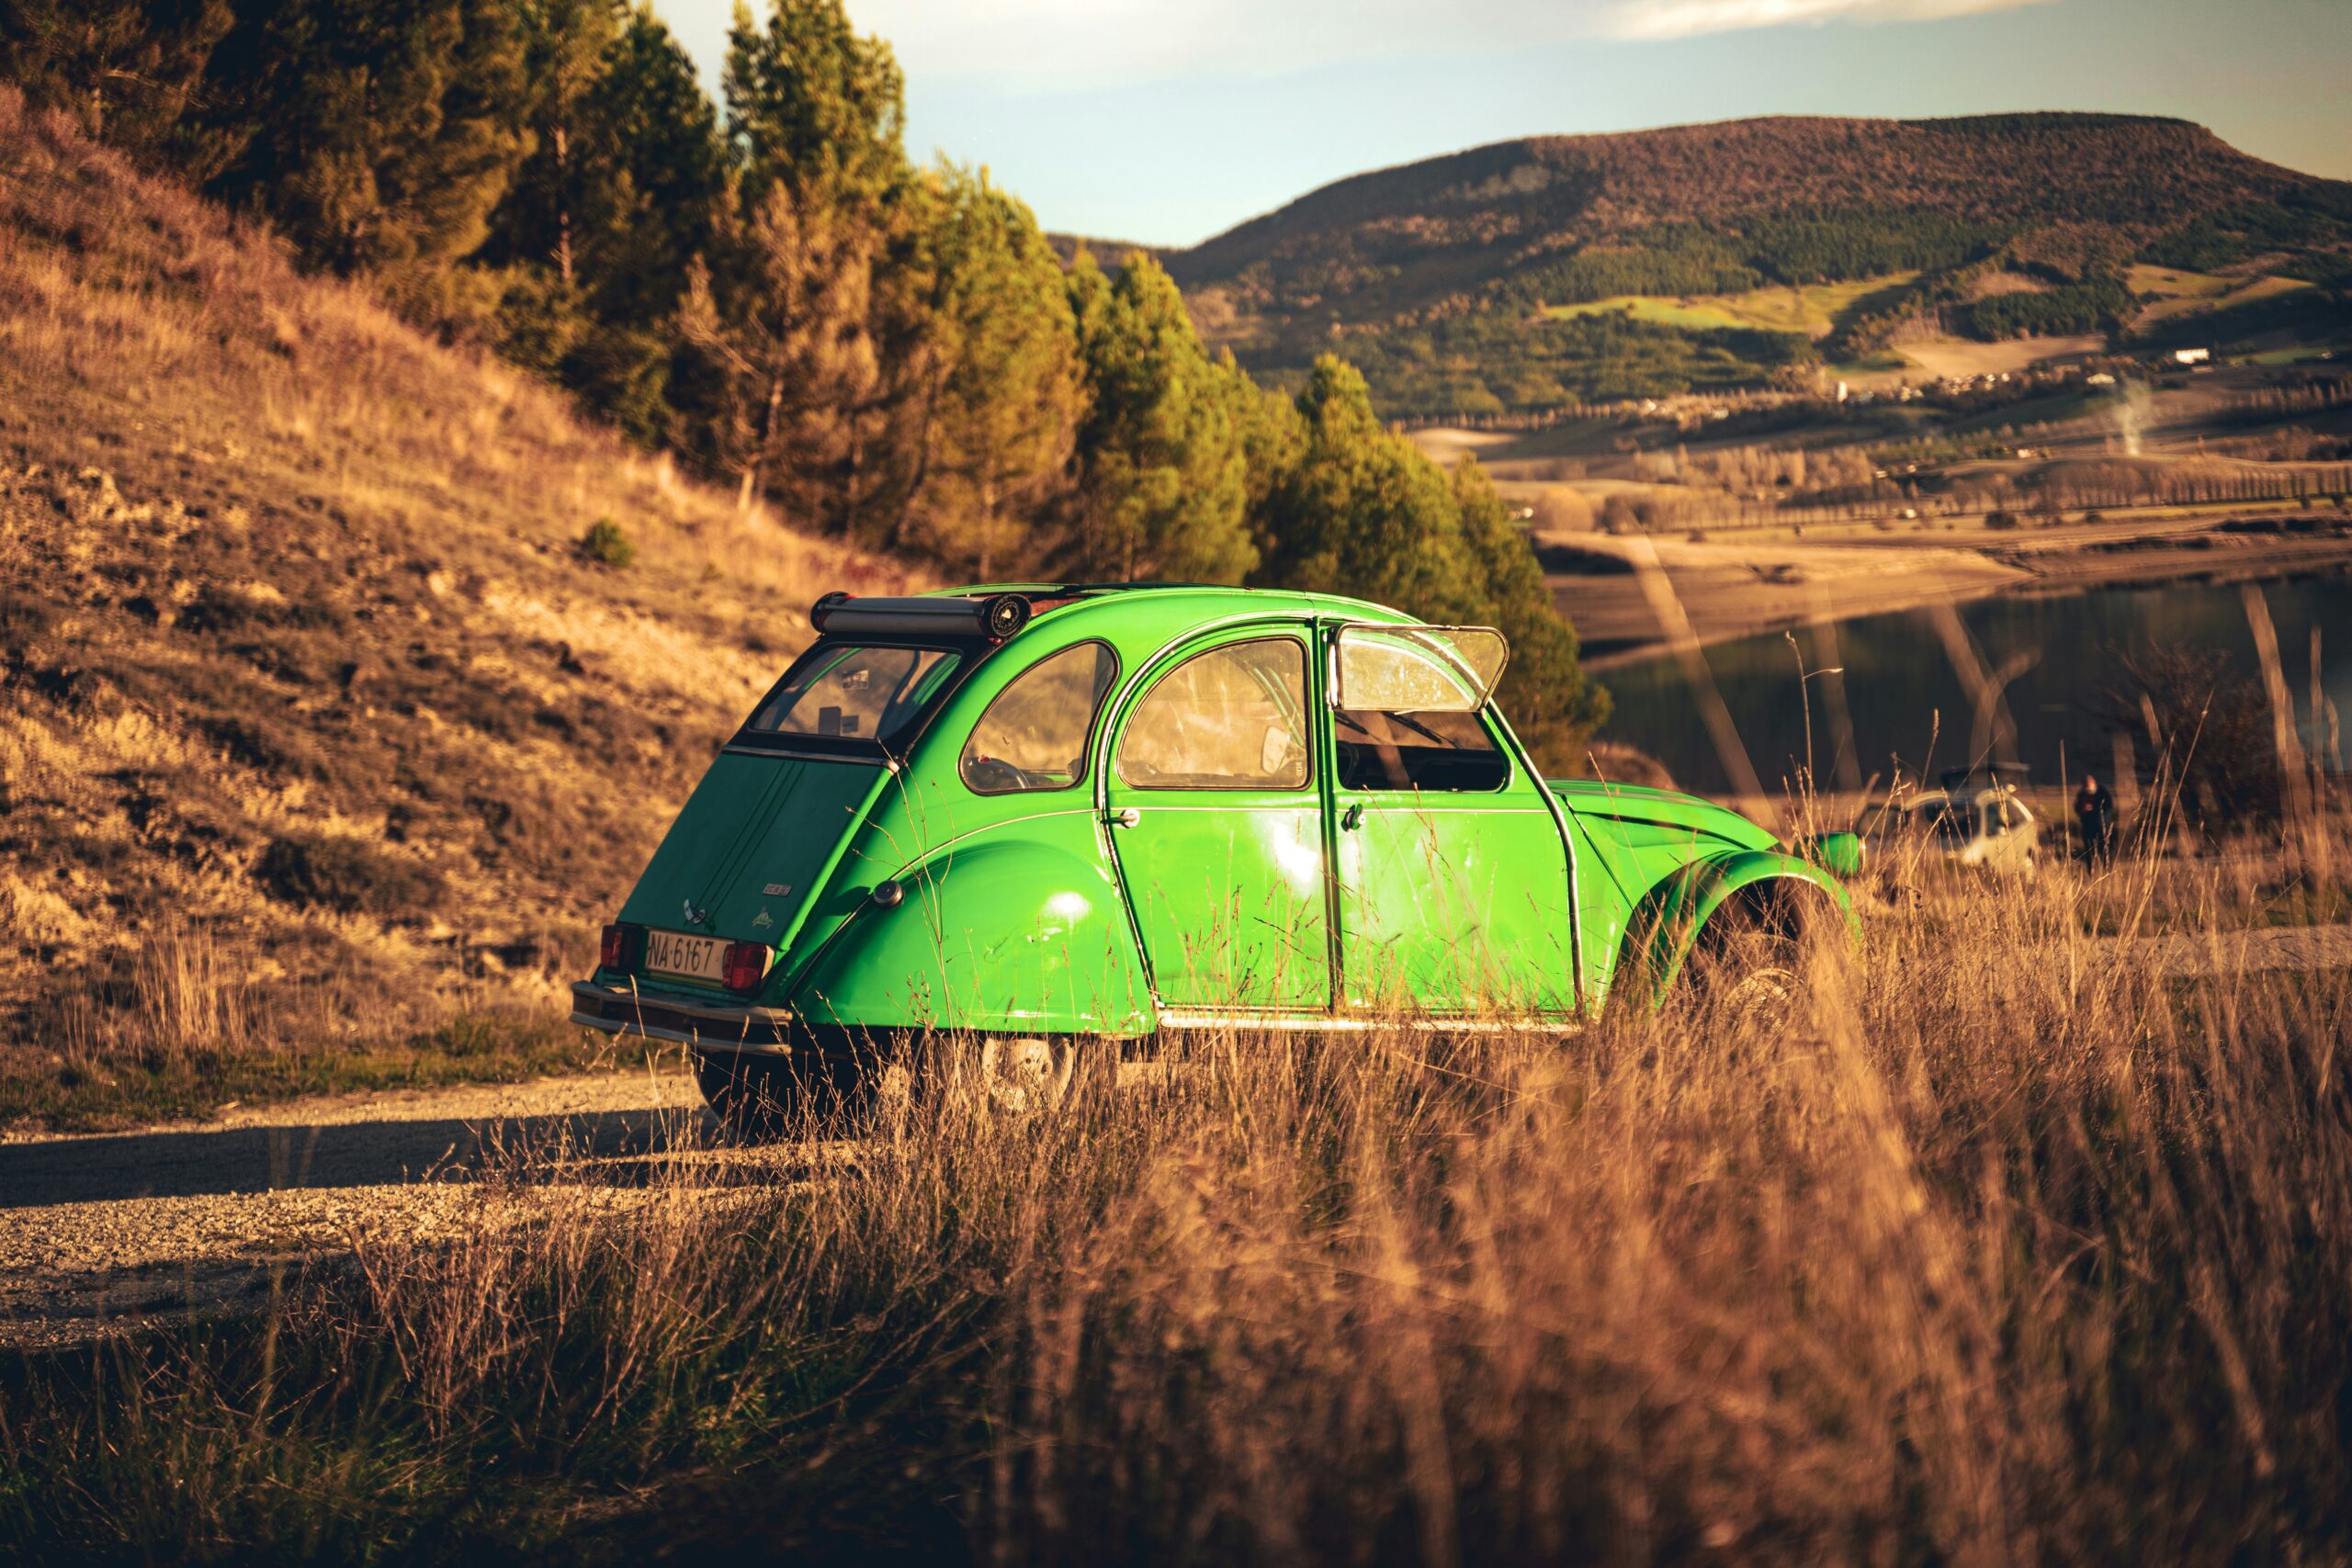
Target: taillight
<point x="747" y="966"/>
<point x="619" y="949"/>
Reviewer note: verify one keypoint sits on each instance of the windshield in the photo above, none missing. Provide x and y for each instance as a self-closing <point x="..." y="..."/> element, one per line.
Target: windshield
<point x="855" y="693"/>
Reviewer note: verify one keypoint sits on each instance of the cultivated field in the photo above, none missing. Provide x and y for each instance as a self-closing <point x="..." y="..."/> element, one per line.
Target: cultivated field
<point x="1811" y="310"/>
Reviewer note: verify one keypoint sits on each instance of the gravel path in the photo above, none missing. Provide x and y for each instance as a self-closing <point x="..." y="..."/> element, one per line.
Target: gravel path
<point x="114" y="1228"/>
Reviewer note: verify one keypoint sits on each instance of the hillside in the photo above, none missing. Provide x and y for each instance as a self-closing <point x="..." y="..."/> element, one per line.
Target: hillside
<point x="1455" y="282"/>
<point x="315" y="724"/>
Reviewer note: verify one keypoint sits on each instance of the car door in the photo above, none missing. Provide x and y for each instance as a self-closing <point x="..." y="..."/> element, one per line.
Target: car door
<point x="1451" y="870"/>
<point x="1217" y="820"/>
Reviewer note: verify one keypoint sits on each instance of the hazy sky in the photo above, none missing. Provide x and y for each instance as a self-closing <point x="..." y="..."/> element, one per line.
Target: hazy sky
<point x="1168" y="121"/>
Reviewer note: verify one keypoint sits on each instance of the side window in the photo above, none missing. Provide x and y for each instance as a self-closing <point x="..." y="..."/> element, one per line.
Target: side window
<point x="1234" y="718"/>
<point x="1417" y="751"/>
<point x="1033" y="735"/>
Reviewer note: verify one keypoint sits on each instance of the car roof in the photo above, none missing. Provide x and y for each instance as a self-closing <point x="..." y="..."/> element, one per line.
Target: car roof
<point x="1139" y="617"/>
<point x="1213" y="599"/>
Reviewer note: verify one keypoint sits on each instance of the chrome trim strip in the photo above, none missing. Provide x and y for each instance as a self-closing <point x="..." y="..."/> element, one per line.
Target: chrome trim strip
<point x="664" y="1000"/>
<point x="677" y="1036"/>
<point x="1537" y="1023"/>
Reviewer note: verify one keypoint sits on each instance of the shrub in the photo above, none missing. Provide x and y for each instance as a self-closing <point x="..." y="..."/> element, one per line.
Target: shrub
<point x="344" y="875"/>
<point x="606" y="545"/>
<point x="2000" y="519"/>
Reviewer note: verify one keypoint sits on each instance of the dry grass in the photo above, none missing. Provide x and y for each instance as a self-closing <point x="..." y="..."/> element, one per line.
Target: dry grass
<point x="298" y="653"/>
<point x="2006" y="1249"/>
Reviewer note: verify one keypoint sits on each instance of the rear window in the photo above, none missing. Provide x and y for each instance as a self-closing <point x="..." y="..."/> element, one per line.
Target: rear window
<point x="855" y="693"/>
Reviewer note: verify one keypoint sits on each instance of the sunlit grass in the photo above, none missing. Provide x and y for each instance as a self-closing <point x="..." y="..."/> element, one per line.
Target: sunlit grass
<point x="2011" y="1243"/>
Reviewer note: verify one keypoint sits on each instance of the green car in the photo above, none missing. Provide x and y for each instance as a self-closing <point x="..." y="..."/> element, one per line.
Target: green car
<point x="1044" y="826"/>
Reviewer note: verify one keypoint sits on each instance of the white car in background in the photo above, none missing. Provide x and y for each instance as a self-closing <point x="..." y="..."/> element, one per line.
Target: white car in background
<point x="1976" y="819"/>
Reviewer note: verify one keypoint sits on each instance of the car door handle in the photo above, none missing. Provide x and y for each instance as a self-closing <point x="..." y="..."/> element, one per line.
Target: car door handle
<point x="1350" y="817"/>
<point x="1125" y="816"/>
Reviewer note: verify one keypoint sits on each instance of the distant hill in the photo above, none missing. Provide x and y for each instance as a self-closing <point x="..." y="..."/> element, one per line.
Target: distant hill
<point x="1457" y="282"/>
<point x="298" y="653"/>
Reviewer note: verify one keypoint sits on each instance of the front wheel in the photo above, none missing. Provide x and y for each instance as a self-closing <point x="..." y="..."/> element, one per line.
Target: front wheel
<point x="1752" y="960"/>
<point x="1033" y="1072"/>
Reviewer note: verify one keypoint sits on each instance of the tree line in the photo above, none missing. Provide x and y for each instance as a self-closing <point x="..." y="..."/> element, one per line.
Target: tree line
<point x="767" y="284"/>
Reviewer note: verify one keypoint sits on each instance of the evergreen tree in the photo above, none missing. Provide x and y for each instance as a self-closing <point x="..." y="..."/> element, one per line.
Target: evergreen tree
<point x="1163" y="479"/>
<point x="1005" y="418"/>
<point x="565" y="188"/>
<point x="381" y="133"/>
<point x="616" y="198"/>
<point x="811" y="325"/>
<point x="810" y="102"/>
<point x="131" y="71"/>
<point x="1543" y="689"/>
<point x="1363" y="513"/>
<point x="781" y="335"/>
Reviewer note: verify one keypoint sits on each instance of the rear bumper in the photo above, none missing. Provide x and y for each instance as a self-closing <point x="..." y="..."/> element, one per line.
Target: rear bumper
<point x="617" y="1010"/>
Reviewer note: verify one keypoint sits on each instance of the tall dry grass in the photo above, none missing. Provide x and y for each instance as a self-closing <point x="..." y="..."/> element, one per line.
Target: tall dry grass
<point x="2010" y="1243"/>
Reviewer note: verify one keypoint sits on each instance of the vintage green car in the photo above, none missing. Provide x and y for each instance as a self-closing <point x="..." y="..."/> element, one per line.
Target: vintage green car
<point x="1043" y="826"/>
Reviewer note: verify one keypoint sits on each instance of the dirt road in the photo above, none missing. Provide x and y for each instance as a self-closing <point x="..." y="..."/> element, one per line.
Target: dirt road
<point x="115" y="1227"/>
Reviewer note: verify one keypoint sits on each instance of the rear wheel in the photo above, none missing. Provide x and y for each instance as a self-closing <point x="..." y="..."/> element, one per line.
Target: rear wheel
<point x="756" y="1096"/>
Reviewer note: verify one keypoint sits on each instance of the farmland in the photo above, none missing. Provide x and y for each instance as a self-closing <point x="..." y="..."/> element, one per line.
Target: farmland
<point x="1809" y="310"/>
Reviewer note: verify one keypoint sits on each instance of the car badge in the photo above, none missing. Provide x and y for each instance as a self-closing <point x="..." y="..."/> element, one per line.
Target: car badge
<point x="696" y="916"/>
<point x="762" y="923"/>
<point x="777" y="890"/>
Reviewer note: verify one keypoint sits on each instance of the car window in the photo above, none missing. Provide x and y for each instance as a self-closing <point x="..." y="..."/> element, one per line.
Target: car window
<point x="1231" y="719"/>
<point x="1033" y="735"/>
<point x="1415" y="751"/>
<point x="863" y="694"/>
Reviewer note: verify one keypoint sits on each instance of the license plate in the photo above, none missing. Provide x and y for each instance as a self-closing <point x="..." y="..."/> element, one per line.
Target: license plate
<point x="694" y="957"/>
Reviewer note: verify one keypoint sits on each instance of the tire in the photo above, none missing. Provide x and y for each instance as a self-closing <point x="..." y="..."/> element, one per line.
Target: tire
<point x="1037" y="1072"/>
<point x="755" y="1097"/>
<point x="1749" y="962"/>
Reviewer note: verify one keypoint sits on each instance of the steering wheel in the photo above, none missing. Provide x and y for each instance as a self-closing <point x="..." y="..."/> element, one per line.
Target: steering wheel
<point x="994" y="775"/>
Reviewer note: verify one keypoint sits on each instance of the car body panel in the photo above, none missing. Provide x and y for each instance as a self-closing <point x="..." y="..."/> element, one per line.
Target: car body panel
<point x="917" y="902"/>
<point x="747" y="853"/>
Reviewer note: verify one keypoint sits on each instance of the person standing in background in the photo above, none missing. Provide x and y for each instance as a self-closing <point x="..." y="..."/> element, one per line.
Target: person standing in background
<point x="2095" y="820"/>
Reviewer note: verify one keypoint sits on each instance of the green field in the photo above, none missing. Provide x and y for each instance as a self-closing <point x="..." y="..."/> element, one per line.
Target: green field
<point x="2179" y="293"/>
<point x="1809" y="310"/>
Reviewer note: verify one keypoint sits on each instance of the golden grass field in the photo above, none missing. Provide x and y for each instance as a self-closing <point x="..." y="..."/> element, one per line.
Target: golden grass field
<point x="2004" y="1242"/>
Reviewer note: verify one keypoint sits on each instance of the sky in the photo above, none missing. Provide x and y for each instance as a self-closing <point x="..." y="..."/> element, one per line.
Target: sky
<point x="1165" y="121"/>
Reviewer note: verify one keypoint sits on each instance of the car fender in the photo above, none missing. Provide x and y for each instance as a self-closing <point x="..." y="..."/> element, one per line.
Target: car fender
<point x="1668" y="919"/>
<point x="1039" y="942"/>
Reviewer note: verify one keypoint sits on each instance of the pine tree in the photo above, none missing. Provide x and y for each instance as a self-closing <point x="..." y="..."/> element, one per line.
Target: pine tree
<point x="616" y="198"/>
<point x="1005" y="419"/>
<point x="131" y="71"/>
<point x="1545" y="689"/>
<point x="381" y="133"/>
<point x="566" y="186"/>
<point x="826" y="280"/>
<point x="782" y="336"/>
<point x="810" y="102"/>
<point x="1362" y="513"/>
<point x="1163" y="474"/>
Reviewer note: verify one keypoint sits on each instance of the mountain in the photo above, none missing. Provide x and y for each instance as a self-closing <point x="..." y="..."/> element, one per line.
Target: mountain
<point x="1469" y="282"/>
<point x="316" y="721"/>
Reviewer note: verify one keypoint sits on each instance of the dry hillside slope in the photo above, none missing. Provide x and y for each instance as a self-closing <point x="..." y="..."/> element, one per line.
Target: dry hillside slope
<point x="314" y="722"/>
